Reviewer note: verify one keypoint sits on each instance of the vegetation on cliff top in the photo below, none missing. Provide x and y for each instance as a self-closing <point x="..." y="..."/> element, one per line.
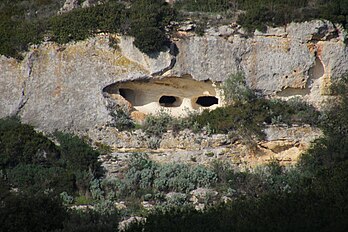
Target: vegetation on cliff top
<point x="28" y="22"/>
<point x="261" y="13"/>
<point x="145" y="20"/>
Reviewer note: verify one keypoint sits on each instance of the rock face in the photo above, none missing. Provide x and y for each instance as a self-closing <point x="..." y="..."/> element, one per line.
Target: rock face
<point x="283" y="144"/>
<point x="70" y="5"/>
<point x="63" y="86"/>
<point x="295" y="60"/>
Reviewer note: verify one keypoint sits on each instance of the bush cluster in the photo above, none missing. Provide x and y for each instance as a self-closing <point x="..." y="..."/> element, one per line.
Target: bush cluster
<point x="82" y="23"/>
<point x="148" y="21"/>
<point x="144" y="176"/>
<point x="145" y="20"/>
<point x="34" y="164"/>
<point x="261" y="13"/>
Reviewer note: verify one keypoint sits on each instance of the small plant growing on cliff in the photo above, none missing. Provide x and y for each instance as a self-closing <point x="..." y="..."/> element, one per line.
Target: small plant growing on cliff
<point x="121" y="119"/>
<point x="158" y="124"/>
<point x="235" y="89"/>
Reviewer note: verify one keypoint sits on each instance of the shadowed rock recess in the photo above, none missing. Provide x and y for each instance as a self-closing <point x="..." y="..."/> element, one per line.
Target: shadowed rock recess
<point x="175" y="95"/>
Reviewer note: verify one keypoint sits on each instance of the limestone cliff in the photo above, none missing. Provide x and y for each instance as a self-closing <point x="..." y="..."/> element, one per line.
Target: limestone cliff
<point x="64" y="86"/>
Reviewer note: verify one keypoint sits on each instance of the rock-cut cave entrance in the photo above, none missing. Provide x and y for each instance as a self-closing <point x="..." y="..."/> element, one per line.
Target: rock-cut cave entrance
<point x="169" y="101"/>
<point x="128" y="94"/>
<point x="177" y="95"/>
<point x="207" y="101"/>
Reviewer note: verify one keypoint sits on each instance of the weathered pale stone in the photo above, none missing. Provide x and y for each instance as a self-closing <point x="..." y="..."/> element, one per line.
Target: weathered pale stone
<point x="12" y="86"/>
<point x="69" y="5"/>
<point x="154" y="64"/>
<point x="62" y="86"/>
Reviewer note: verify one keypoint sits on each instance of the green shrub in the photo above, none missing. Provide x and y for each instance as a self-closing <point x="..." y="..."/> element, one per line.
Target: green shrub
<point x="36" y="179"/>
<point x="149" y="39"/>
<point x="317" y="206"/>
<point x="204" y="5"/>
<point x="148" y="21"/>
<point x="144" y="176"/>
<point x="245" y="120"/>
<point x="332" y="147"/>
<point x="78" y="155"/>
<point x="83" y="200"/>
<point x="21" y="144"/>
<point x="82" y="23"/>
<point x="121" y="119"/>
<point x="291" y="112"/>
<point x="235" y="89"/>
<point x="19" y="212"/>
<point x="158" y="124"/>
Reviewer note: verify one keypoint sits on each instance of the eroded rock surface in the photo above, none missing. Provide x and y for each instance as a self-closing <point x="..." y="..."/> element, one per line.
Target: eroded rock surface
<point x="62" y="87"/>
<point x="282" y="143"/>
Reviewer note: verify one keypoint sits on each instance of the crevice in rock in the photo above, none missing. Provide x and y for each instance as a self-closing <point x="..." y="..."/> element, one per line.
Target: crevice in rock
<point x="290" y="92"/>
<point x="317" y="70"/>
<point x="173" y="51"/>
<point x="24" y="94"/>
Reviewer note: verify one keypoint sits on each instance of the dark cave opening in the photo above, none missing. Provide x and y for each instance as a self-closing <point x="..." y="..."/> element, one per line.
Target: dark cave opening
<point x="169" y="101"/>
<point x="128" y="94"/>
<point x="207" y="101"/>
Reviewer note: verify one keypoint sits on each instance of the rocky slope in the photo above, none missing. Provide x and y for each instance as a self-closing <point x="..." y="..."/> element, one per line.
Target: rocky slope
<point x="62" y="87"/>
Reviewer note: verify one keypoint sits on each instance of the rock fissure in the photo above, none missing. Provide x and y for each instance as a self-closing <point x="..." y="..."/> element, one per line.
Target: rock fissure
<point x="24" y="97"/>
<point x="22" y="101"/>
<point x="173" y="52"/>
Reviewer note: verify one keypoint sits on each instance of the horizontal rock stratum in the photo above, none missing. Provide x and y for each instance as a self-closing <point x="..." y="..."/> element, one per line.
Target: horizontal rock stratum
<point x="63" y="86"/>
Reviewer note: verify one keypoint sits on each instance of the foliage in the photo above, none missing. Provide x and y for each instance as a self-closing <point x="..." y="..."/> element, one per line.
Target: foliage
<point x="81" y="23"/>
<point x="20" y="212"/>
<point x="37" y="179"/>
<point x="157" y="124"/>
<point x="243" y="120"/>
<point x="148" y="20"/>
<point x="276" y="13"/>
<point x="20" y="143"/>
<point x="292" y="111"/>
<point x="23" y="23"/>
<point x="34" y="164"/>
<point x="149" y="39"/>
<point x="121" y="119"/>
<point x="25" y="212"/>
<point x="204" y="5"/>
<point x="262" y="13"/>
<point x="235" y="89"/>
<point x="246" y="114"/>
<point x="311" y="196"/>
<point x="319" y="206"/>
<point x="144" y="176"/>
<point x="78" y="155"/>
<point x="332" y="147"/>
